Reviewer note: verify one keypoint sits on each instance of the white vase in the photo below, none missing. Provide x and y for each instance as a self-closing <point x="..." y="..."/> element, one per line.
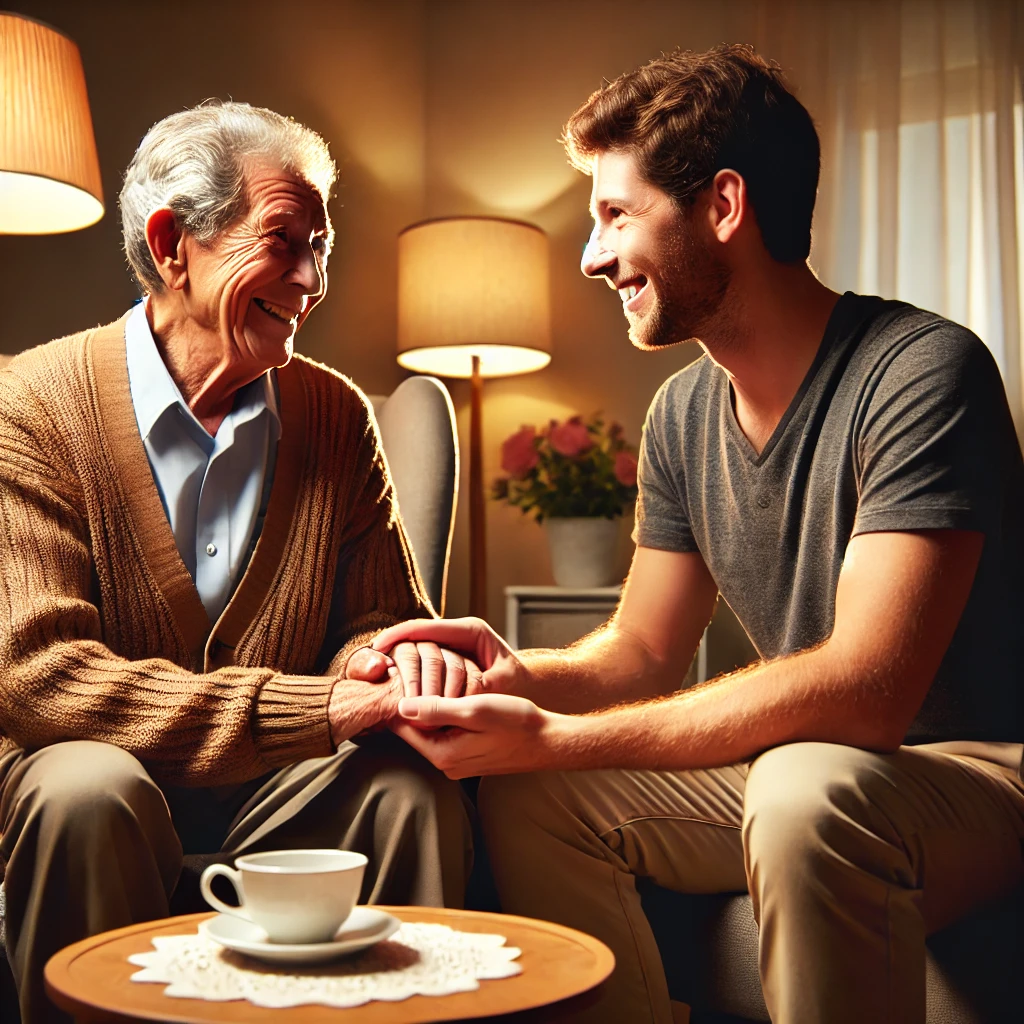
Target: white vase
<point x="582" y="550"/>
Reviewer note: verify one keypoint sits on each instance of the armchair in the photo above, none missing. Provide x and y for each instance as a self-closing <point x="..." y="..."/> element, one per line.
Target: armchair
<point x="709" y="948"/>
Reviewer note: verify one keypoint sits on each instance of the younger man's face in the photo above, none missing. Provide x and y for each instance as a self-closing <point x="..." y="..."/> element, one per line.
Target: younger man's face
<point x="656" y="255"/>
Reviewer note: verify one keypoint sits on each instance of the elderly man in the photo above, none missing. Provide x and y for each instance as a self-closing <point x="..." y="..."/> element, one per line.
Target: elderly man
<point x="199" y="541"/>
<point x="844" y="471"/>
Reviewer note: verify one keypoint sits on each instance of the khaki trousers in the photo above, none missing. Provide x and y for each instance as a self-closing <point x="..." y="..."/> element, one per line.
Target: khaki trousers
<point x="92" y="843"/>
<point x="851" y="859"/>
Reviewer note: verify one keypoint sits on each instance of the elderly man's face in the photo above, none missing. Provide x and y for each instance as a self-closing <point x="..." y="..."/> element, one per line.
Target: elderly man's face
<point x="256" y="282"/>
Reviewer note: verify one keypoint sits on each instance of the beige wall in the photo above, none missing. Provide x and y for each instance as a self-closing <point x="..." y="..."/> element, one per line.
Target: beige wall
<point x="352" y="69"/>
<point x="501" y="79"/>
<point x="432" y="107"/>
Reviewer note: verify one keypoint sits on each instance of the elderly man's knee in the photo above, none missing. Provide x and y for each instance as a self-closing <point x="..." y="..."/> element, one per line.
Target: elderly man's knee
<point x="90" y="785"/>
<point x="803" y="799"/>
<point x="408" y="786"/>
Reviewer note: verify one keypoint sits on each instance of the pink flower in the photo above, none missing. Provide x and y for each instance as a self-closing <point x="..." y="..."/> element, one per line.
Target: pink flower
<point x="570" y="438"/>
<point x="625" y="468"/>
<point x="518" y="455"/>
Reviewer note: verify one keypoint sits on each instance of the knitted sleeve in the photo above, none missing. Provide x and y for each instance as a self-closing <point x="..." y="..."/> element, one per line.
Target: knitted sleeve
<point x="59" y="681"/>
<point x="377" y="582"/>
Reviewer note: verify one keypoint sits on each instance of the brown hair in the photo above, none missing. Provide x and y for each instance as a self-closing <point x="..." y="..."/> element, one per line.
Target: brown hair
<point x="685" y="116"/>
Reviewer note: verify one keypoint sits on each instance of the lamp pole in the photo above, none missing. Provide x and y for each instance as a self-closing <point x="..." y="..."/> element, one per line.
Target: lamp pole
<point x="477" y="510"/>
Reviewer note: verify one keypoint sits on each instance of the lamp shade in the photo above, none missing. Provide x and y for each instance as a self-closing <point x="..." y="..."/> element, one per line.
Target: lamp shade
<point x="49" y="171"/>
<point x="473" y="286"/>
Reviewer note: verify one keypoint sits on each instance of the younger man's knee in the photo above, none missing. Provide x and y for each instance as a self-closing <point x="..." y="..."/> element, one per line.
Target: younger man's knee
<point x="805" y="799"/>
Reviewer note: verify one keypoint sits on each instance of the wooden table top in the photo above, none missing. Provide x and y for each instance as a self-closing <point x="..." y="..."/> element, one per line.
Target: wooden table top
<point x="90" y="979"/>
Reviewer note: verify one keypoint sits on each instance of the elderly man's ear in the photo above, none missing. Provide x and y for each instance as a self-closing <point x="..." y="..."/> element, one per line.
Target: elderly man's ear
<point x="167" y="246"/>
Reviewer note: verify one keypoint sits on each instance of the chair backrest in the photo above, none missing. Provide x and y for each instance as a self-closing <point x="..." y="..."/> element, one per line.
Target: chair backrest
<point x="417" y="428"/>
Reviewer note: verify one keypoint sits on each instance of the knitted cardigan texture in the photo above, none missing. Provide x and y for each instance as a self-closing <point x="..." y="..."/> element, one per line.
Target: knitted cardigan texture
<point x="103" y="635"/>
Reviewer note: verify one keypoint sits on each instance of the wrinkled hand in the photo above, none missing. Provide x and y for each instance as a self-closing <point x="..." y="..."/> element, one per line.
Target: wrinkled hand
<point x="485" y="734"/>
<point x="360" y="706"/>
<point x="422" y="667"/>
<point x="369" y="665"/>
<point x="432" y="671"/>
<point x="503" y="672"/>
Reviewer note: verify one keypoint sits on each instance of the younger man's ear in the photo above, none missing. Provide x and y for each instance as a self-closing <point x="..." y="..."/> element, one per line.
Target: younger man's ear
<point x="166" y="245"/>
<point x="729" y="204"/>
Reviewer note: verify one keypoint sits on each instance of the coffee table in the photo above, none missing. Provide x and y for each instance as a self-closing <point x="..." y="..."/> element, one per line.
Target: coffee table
<point x="90" y="979"/>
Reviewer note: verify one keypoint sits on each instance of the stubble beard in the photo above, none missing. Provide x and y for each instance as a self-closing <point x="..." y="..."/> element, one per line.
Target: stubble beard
<point x="689" y="296"/>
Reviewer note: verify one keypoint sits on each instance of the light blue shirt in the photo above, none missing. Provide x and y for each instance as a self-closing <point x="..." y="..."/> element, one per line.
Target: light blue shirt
<point x="212" y="488"/>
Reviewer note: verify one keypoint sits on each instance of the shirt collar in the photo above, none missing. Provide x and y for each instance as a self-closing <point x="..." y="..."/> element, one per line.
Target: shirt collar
<point x="154" y="391"/>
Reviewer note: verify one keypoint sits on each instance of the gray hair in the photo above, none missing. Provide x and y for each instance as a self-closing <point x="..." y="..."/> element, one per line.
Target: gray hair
<point x="194" y="163"/>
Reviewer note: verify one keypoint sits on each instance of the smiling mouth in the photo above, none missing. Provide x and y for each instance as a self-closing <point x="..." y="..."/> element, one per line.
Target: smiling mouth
<point x="285" y="316"/>
<point x="629" y="291"/>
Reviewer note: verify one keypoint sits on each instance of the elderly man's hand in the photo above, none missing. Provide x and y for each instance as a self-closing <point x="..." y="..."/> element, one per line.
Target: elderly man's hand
<point x="503" y="672"/>
<point x="423" y="668"/>
<point x="370" y="666"/>
<point x="358" y="706"/>
<point x="428" y="670"/>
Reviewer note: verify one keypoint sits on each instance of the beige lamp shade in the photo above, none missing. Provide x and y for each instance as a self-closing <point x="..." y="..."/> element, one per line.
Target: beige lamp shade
<point x="473" y="286"/>
<point x="49" y="171"/>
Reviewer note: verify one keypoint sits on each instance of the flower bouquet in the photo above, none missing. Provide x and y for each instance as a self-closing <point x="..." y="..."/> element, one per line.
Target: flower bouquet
<point x="576" y="477"/>
<point x="571" y="469"/>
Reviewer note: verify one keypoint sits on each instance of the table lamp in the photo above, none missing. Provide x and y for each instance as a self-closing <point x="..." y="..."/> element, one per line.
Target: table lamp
<point x="473" y="302"/>
<point x="49" y="170"/>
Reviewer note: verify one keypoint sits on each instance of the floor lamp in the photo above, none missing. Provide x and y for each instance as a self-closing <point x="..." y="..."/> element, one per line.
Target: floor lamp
<point x="473" y="302"/>
<point x="49" y="171"/>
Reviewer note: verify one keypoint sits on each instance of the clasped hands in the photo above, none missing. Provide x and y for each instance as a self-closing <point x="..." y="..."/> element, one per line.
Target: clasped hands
<point x="422" y="667"/>
<point x="459" y="711"/>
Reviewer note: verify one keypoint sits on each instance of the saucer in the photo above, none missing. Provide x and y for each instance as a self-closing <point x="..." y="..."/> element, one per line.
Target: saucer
<point x="364" y="927"/>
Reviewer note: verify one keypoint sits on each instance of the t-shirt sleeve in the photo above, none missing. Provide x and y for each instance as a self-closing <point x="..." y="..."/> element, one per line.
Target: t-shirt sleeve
<point x="934" y="437"/>
<point x="661" y="518"/>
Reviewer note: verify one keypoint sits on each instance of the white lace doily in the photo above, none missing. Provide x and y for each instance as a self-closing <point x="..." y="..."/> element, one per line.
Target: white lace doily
<point x="419" y="959"/>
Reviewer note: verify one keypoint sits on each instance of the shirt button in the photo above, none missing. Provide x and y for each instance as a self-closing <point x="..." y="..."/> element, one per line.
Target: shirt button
<point x="211" y="549"/>
<point x="763" y="500"/>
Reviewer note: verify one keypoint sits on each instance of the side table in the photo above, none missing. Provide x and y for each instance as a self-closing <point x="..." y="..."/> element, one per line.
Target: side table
<point x="558" y="616"/>
<point x="91" y="979"/>
<point x="555" y="616"/>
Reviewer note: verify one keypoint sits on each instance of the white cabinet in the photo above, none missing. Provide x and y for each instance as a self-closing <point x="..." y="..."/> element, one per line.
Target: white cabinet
<point x="555" y="616"/>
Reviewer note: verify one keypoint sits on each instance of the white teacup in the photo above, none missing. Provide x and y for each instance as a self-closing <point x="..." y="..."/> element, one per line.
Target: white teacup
<point x="300" y="896"/>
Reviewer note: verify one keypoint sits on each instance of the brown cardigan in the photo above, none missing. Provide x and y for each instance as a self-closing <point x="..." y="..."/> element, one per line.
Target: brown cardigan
<point x="102" y="633"/>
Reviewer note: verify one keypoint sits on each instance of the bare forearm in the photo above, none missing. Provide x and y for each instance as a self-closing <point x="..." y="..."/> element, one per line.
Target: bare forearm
<point x="805" y="697"/>
<point x="608" y="667"/>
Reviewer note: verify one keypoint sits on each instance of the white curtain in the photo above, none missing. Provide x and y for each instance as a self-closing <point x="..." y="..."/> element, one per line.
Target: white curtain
<point x="918" y="103"/>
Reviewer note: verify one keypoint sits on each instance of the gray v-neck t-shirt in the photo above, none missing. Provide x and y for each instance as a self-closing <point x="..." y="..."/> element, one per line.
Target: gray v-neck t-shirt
<point x="901" y="423"/>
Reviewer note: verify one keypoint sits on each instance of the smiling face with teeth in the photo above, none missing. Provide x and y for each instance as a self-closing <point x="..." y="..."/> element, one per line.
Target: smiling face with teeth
<point x="248" y="291"/>
<point x="653" y="253"/>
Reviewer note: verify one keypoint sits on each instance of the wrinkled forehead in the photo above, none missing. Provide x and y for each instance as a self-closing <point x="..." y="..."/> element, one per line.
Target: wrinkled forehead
<point x="276" y="191"/>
